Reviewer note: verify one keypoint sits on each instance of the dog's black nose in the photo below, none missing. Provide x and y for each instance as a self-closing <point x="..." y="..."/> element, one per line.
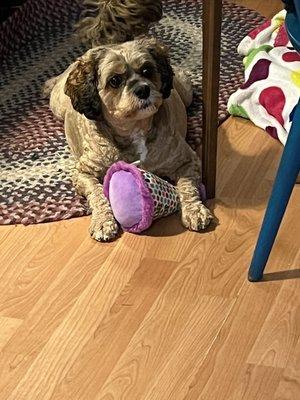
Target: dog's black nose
<point x="142" y="92"/>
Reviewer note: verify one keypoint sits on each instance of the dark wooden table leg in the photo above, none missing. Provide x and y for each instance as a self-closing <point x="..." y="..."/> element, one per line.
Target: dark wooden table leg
<point x="212" y="21"/>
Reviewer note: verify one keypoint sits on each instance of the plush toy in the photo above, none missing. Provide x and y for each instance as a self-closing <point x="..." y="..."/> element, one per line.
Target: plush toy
<point x="138" y="197"/>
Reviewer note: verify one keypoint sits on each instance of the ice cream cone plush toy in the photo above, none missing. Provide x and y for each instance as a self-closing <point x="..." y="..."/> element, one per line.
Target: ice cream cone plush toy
<point x="138" y="197"/>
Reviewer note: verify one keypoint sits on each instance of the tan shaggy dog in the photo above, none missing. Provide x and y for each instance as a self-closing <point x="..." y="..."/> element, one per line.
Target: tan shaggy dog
<point x="123" y="102"/>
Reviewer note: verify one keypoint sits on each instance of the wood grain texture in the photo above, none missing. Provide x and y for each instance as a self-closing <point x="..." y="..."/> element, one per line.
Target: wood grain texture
<point x="8" y="327"/>
<point x="257" y="383"/>
<point x="167" y="315"/>
<point x="289" y="386"/>
<point x="77" y="327"/>
<point x="28" y="270"/>
<point x="278" y="337"/>
<point x="142" y="372"/>
<point x="229" y="353"/>
<point x="123" y="319"/>
<point x="267" y="8"/>
<point x="50" y="309"/>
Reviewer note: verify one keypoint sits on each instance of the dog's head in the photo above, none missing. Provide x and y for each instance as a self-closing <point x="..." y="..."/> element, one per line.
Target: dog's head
<point x="128" y="82"/>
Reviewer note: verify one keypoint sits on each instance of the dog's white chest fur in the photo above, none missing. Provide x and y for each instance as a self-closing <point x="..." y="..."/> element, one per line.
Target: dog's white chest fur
<point x="139" y="141"/>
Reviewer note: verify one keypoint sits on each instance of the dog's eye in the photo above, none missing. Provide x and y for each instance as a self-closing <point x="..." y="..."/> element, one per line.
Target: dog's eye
<point x="116" y="81"/>
<point x="147" y="71"/>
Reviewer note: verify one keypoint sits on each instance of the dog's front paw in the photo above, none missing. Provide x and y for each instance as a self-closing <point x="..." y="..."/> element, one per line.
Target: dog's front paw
<point x="102" y="229"/>
<point x="196" y="216"/>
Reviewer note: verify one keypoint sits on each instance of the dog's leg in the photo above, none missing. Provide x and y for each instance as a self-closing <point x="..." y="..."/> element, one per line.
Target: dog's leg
<point x="103" y="225"/>
<point x="195" y="216"/>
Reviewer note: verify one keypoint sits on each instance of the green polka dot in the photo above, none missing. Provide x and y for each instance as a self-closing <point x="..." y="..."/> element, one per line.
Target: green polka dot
<point x="239" y="111"/>
<point x="247" y="60"/>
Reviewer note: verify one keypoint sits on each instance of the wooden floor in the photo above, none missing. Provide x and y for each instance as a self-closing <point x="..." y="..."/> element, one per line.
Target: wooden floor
<point x="168" y="315"/>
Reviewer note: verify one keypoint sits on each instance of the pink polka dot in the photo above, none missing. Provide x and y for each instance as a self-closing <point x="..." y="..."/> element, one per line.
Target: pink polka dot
<point x="272" y="131"/>
<point x="273" y="100"/>
<point x="282" y="38"/>
<point x="259" y="72"/>
<point x="291" y="56"/>
<point x="256" y="31"/>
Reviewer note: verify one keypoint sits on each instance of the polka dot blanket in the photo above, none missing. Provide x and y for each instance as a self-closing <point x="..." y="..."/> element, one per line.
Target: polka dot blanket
<point x="272" y="79"/>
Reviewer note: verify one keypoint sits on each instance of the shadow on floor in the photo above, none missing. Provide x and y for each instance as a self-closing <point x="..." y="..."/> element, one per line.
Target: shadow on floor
<point x="281" y="275"/>
<point x="172" y="226"/>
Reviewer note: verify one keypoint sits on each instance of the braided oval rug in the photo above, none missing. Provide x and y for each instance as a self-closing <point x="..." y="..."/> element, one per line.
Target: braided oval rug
<point x="37" y="42"/>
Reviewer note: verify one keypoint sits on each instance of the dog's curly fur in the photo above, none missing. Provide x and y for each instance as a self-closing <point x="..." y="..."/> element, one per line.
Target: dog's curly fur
<point x="117" y="21"/>
<point x="106" y="121"/>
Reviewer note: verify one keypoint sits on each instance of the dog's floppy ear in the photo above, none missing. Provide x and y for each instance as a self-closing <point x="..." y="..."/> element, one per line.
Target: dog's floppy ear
<point x="81" y="87"/>
<point x="161" y="56"/>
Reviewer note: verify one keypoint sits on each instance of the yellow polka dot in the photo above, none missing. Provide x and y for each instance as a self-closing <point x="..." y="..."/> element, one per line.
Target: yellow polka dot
<point x="296" y="78"/>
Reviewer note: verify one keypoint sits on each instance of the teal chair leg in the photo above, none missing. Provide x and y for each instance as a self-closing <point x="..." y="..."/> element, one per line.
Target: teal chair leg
<point x="285" y="180"/>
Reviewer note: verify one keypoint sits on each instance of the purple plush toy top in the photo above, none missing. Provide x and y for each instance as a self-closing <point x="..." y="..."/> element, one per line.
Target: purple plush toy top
<point x="129" y="196"/>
